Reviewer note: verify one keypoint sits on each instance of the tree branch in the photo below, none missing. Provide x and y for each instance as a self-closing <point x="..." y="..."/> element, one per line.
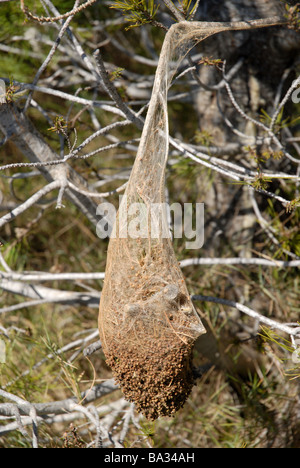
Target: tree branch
<point x="292" y="331"/>
<point x="23" y="134"/>
<point x="240" y="261"/>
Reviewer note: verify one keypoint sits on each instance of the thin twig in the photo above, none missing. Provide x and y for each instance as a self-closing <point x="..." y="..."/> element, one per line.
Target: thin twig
<point x="41" y="277"/>
<point x="29" y="202"/>
<point x="113" y="93"/>
<point x="46" y="19"/>
<point x="292" y="331"/>
<point x="49" y="56"/>
<point x="255" y="122"/>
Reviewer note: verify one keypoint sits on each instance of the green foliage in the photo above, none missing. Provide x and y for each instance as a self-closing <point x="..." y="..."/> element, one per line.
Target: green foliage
<point x="12" y="91"/>
<point x="147" y="432"/>
<point x="203" y="137"/>
<point x="209" y="61"/>
<point x="287" y="229"/>
<point x="16" y="255"/>
<point x="187" y="171"/>
<point x="272" y="336"/>
<point x="14" y="22"/>
<point x="188" y="8"/>
<point x="136" y="12"/>
<point x="293" y="16"/>
<point x="67" y="371"/>
<point x="293" y="205"/>
<point x="255" y="388"/>
<point x="116" y="74"/>
<point x="12" y="18"/>
<point x="268" y="154"/>
<point x="280" y="122"/>
<point x="60" y="125"/>
<point x="260" y="182"/>
<point x="262" y="157"/>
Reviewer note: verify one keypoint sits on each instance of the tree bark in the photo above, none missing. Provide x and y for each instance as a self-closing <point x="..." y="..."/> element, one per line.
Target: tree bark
<point x="266" y="55"/>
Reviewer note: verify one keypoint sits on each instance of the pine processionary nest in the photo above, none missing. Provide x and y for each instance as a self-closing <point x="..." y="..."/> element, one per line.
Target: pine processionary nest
<point x="149" y="330"/>
<point x="147" y="322"/>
